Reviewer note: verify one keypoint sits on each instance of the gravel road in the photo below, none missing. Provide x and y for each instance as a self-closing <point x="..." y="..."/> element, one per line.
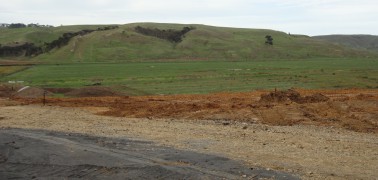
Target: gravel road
<point x="28" y="154"/>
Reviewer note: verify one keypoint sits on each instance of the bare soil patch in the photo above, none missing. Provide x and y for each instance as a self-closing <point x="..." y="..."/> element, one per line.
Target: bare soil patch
<point x="316" y="134"/>
<point x="351" y="109"/>
<point x="93" y="91"/>
<point x="312" y="152"/>
<point x="292" y="95"/>
<point x="20" y="91"/>
<point x="6" y="91"/>
<point x="32" y="92"/>
<point x="59" y="90"/>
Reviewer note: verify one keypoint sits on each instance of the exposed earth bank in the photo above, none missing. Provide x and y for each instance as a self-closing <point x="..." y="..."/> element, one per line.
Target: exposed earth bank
<point x="335" y="138"/>
<point x="352" y="109"/>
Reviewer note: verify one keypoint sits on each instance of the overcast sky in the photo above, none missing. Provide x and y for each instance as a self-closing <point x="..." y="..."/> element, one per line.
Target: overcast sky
<point x="310" y="17"/>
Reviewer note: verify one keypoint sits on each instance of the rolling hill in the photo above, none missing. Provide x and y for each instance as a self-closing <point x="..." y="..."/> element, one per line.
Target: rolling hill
<point x="151" y="58"/>
<point x="126" y="44"/>
<point x="363" y="42"/>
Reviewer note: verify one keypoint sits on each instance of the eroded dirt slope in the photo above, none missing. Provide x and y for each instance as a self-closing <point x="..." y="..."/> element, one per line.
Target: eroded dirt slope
<point x="352" y="109"/>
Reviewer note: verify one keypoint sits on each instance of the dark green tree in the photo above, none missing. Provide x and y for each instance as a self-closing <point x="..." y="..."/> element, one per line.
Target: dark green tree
<point x="269" y="40"/>
<point x="17" y="25"/>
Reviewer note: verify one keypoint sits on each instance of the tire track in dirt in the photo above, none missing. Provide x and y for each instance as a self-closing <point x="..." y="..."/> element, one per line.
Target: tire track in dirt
<point x="145" y="163"/>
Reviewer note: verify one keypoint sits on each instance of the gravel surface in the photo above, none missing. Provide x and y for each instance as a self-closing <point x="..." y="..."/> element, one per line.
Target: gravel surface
<point x="31" y="154"/>
<point x="311" y="152"/>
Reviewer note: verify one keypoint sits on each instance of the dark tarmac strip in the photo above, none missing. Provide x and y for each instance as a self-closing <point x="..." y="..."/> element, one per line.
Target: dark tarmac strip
<point x="40" y="154"/>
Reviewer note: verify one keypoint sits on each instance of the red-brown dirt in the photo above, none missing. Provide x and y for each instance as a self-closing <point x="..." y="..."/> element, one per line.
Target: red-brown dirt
<point x="321" y="144"/>
<point x="92" y="91"/>
<point x="352" y="109"/>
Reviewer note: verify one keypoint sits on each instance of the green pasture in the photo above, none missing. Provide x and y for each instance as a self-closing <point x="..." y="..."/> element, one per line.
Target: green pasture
<point x="7" y="70"/>
<point x="141" y="78"/>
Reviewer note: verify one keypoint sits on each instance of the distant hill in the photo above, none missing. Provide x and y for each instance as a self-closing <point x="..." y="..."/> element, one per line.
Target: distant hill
<point x="157" y="41"/>
<point x="364" y="42"/>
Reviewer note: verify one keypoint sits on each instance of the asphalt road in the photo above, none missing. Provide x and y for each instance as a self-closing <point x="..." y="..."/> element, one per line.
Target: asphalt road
<point x="39" y="154"/>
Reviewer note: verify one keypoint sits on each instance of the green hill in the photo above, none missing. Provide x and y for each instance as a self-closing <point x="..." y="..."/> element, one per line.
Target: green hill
<point x="125" y="44"/>
<point x="37" y="35"/>
<point x="363" y="42"/>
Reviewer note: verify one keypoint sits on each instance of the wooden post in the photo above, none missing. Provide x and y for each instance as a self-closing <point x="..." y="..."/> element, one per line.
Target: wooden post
<point x="44" y="97"/>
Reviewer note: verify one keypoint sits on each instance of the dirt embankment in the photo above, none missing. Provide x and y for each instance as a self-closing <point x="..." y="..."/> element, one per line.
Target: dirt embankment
<point x="233" y="124"/>
<point x="310" y="152"/>
<point x="352" y="109"/>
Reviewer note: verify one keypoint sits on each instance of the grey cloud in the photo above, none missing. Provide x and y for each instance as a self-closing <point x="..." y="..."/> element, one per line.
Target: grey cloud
<point x="297" y="16"/>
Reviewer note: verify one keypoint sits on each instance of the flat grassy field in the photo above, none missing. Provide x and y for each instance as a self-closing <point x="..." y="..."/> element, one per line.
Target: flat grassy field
<point x="206" y="76"/>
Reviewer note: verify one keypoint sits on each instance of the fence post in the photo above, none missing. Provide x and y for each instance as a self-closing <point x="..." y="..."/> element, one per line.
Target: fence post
<point x="44" y="97"/>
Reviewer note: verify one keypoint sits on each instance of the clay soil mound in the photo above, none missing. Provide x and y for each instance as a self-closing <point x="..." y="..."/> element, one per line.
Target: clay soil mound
<point x="315" y="98"/>
<point x="292" y="95"/>
<point x="32" y="92"/>
<point x="5" y="91"/>
<point x="308" y="107"/>
<point x="59" y="90"/>
<point x="92" y="92"/>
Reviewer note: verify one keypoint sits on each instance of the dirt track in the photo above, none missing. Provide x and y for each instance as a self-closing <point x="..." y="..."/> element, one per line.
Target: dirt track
<point x="311" y="148"/>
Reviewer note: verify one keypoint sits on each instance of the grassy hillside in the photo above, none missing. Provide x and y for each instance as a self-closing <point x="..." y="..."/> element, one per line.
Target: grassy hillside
<point x="37" y="35"/>
<point x="363" y="42"/>
<point x="202" y="43"/>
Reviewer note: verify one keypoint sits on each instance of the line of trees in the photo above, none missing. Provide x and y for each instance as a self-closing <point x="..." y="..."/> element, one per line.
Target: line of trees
<point x="22" y="25"/>
<point x="169" y="35"/>
<point x="64" y="39"/>
<point x="30" y="49"/>
<point x="27" y="49"/>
